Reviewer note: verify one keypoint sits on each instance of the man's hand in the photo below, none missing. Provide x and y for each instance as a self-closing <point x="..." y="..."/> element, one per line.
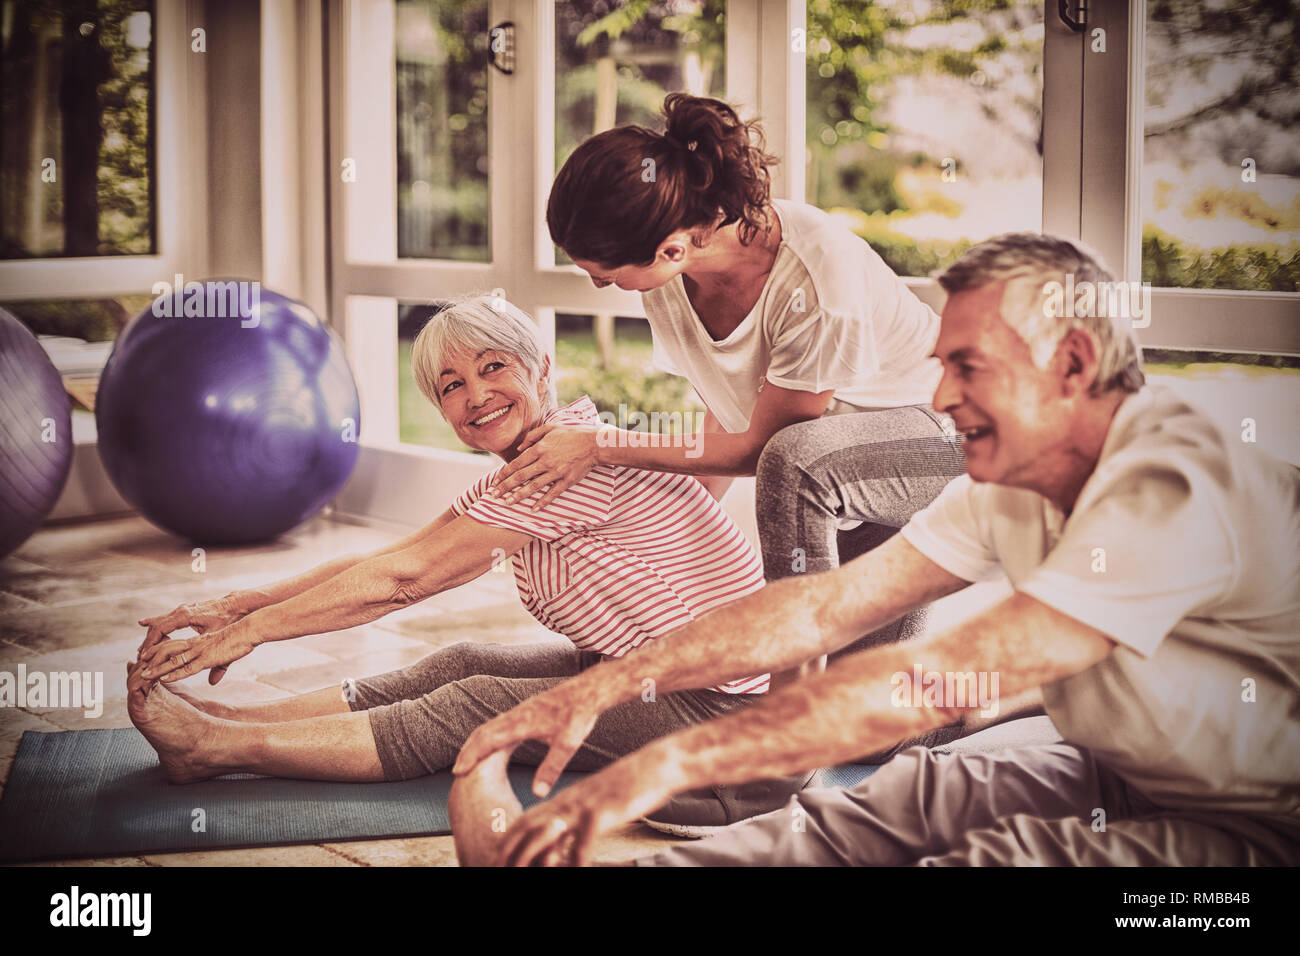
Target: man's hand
<point x="561" y="718"/>
<point x="560" y="831"/>
<point x="173" y="660"/>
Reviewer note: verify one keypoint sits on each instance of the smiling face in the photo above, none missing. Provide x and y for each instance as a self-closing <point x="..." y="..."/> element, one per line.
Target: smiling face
<point x="1015" y="416"/>
<point x="491" y="399"/>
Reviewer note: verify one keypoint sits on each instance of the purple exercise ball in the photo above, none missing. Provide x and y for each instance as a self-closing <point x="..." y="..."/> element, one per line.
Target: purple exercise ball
<point x="35" y="433"/>
<point x="232" y="426"/>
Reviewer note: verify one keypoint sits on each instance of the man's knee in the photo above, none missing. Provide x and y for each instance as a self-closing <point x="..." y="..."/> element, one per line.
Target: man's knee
<point x="481" y="808"/>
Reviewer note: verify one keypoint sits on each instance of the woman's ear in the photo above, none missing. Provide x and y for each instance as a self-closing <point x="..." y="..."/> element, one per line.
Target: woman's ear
<point x="674" y="248"/>
<point x="544" y="379"/>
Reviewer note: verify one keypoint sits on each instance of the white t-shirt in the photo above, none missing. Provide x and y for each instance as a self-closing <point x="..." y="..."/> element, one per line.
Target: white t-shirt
<point x="1183" y="548"/>
<point x="831" y="315"/>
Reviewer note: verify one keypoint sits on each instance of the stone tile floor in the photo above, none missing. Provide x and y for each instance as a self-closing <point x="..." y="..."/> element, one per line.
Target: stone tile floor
<point x="70" y="598"/>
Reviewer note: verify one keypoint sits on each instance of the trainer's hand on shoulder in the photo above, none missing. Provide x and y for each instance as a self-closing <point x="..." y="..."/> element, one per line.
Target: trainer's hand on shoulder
<point x="558" y="456"/>
<point x="561" y="718"/>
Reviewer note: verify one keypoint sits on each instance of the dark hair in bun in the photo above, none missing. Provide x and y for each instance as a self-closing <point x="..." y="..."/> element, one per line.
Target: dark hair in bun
<point x="624" y="191"/>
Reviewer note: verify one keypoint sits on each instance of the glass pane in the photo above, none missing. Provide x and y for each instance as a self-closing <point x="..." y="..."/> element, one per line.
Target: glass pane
<point x="1221" y="162"/>
<point x="925" y="123"/>
<point x="76" y="110"/>
<point x="608" y="359"/>
<point x="419" y="421"/>
<point x="442" y="130"/>
<point x="615" y="62"/>
<point x="1256" y="396"/>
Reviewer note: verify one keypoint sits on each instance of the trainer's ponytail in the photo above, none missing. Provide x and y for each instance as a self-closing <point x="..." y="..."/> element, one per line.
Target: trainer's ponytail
<point x="624" y="191"/>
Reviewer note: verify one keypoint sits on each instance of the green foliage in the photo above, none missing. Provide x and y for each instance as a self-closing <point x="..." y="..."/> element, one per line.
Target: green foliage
<point x="1155" y="361"/>
<point x="629" y="380"/>
<point x="905" y="255"/>
<point x="125" y="101"/>
<point x="615" y="23"/>
<point x="619" y="385"/>
<point x="95" y="320"/>
<point x="857" y="49"/>
<point x="1261" y="267"/>
<point x="123" y="184"/>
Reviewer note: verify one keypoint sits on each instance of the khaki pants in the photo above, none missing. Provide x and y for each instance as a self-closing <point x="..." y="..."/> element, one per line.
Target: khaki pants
<point x="1027" y="806"/>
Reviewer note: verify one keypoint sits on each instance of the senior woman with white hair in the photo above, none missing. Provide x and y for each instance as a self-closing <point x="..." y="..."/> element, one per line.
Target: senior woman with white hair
<point x="619" y="559"/>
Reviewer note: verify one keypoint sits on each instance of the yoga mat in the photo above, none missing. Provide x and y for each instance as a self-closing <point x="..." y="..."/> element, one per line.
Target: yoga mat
<point x="95" y="793"/>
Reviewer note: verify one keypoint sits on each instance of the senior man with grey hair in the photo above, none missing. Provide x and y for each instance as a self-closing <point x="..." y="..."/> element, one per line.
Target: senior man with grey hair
<point x="1156" y="580"/>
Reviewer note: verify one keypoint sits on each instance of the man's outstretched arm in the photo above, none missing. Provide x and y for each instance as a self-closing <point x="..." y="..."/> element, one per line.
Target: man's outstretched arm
<point x="780" y="627"/>
<point x="856" y="707"/>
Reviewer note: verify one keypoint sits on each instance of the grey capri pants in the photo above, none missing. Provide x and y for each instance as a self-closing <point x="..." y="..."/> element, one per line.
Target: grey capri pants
<point x="422" y="715"/>
<point x="876" y="467"/>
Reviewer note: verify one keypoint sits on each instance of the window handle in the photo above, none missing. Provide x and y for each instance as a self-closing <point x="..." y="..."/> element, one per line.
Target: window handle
<point x="501" y="47"/>
<point x="1080" y="18"/>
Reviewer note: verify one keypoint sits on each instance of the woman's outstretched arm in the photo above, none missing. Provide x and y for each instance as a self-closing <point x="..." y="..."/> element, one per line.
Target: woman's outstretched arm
<point x="458" y="552"/>
<point x="253" y="599"/>
<point x="216" y="613"/>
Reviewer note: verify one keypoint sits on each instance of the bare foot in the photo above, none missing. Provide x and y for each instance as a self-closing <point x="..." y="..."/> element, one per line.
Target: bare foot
<point x="482" y="806"/>
<point x="212" y="708"/>
<point x="173" y="728"/>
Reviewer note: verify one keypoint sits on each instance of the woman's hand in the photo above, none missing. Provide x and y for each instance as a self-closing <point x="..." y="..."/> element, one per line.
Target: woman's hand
<point x="173" y="660"/>
<point x="202" y="617"/>
<point x="560" y="831"/>
<point x="561" y="718"/>
<point x="554" y="455"/>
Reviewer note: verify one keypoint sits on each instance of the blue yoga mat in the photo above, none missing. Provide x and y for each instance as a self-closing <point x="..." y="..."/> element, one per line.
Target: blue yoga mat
<point x="95" y="793"/>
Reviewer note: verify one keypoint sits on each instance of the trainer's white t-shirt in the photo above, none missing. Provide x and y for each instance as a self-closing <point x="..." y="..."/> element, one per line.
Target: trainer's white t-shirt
<point x="831" y="315"/>
<point x="1183" y="548"/>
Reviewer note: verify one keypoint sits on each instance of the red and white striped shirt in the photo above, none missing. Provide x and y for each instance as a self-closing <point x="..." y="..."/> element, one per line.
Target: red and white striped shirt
<point x="624" y="555"/>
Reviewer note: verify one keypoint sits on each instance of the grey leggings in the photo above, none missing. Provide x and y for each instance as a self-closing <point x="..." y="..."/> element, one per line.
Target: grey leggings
<point x="422" y="715"/>
<point x="878" y="467"/>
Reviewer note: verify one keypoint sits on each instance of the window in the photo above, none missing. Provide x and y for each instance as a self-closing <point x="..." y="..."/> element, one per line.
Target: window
<point x="608" y="359"/>
<point x="924" y="123"/>
<point x="442" y="130"/>
<point x="77" y="178"/>
<point x="1221" y="169"/>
